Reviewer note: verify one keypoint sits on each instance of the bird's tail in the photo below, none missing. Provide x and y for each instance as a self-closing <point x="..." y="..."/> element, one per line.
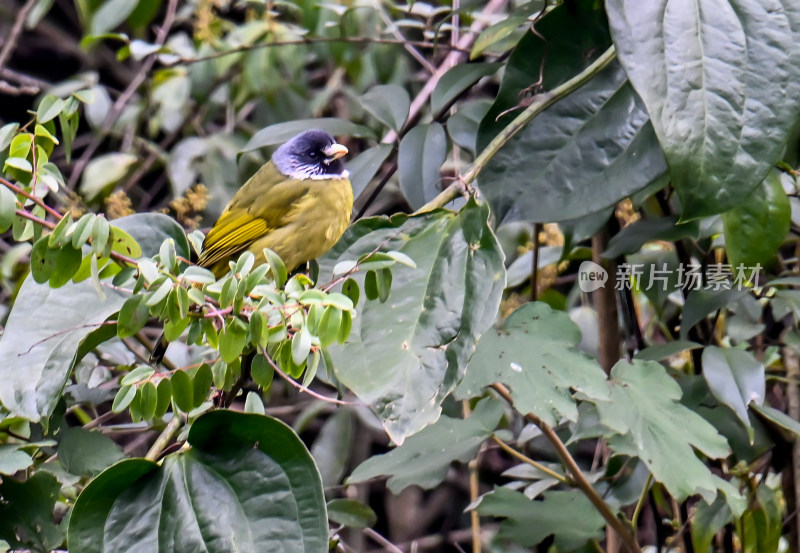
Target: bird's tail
<point x="159" y="350"/>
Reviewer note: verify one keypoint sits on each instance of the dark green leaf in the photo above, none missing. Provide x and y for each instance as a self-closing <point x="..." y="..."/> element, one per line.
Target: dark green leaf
<point x="8" y="207"/>
<point x="707" y="521"/>
<point x="422" y="152"/>
<point x="535" y="353"/>
<point x="425" y="457"/>
<point x="388" y="103"/>
<point x="567" y="515"/>
<point x="254" y="465"/>
<point x="12" y="460"/>
<point x="701" y="303"/>
<point x="586" y="152"/>
<point x="351" y="513"/>
<point x="659" y="352"/>
<point x="366" y="165"/>
<point x="86" y="453"/>
<point x="725" y="121"/>
<point x="232" y="340"/>
<point x="756" y="228"/>
<point x="201" y="384"/>
<point x="659" y="430"/>
<point x="182" y="395"/>
<point x="735" y="378"/>
<point x="779" y="418"/>
<point x="125" y="395"/>
<point x="637" y="234"/>
<point x="111" y="14"/>
<point x="26" y="512"/>
<point x="404" y="356"/>
<point x="261" y="371"/>
<point x="458" y="79"/>
<point x="49" y="108"/>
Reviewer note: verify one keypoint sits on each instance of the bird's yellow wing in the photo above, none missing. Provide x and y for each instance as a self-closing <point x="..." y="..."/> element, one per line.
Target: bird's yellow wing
<point x="263" y="204"/>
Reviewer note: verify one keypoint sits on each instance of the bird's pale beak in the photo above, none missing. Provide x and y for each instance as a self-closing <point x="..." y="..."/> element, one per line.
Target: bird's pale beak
<point x="334" y="152"/>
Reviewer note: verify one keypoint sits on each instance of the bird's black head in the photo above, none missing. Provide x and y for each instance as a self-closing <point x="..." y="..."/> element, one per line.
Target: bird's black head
<point x="312" y="154"/>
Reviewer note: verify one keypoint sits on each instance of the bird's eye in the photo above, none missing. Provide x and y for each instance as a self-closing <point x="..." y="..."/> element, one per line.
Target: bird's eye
<point x="312" y="154"/>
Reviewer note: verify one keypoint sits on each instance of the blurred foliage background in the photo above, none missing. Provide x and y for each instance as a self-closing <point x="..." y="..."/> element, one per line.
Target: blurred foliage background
<point x="449" y="377"/>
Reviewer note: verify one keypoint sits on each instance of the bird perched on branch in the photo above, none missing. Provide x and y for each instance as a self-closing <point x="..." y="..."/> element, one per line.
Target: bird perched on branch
<point x="298" y="205"/>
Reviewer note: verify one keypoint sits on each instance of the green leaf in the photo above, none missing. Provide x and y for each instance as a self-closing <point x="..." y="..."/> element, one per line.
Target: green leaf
<point x="49" y="346"/>
<point x="388" y="103"/>
<point x="182" y="391"/>
<point x="659" y="430"/>
<point x="12" y="460"/>
<point x="276" y="267"/>
<point x="254" y="465"/>
<point x="86" y="453"/>
<point x="637" y="234"/>
<point x="18" y="163"/>
<point x="725" y="121"/>
<point x="261" y="371"/>
<point x="422" y="151"/>
<point x="232" y="340"/>
<point x="567" y="515"/>
<point x="351" y="513"/>
<point x="8" y="208"/>
<point x="21" y="145"/>
<point x="103" y="172"/>
<point x="495" y="33"/>
<point x="301" y="345"/>
<point x="707" y="521"/>
<point x="6" y="134"/>
<point x="281" y="132"/>
<point x="26" y="512"/>
<point x="142" y="372"/>
<point x="778" y="418"/>
<point x="756" y="228"/>
<point x="405" y="355"/>
<point x="735" y="378"/>
<point x="125" y="395"/>
<point x="458" y="79"/>
<point x="366" y="165"/>
<point x="133" y="316"/>
<point x="588" y="151"/>
<point x="701" y="303"/>
<point x="659" y="352"/>
<point x="49" y="108"/>
<point x="148" y="400"/>
<point x="425" y="457"/>
<point x="253" y="404"/>
<point x="329" y="326"/>
<point x="535" y="353"/>
<point x="463" y="125"/>
<point x="110" y="15"/>
<point x="332" y="450"/>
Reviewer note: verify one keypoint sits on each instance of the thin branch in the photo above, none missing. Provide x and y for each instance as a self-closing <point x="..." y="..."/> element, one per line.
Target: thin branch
<point x="474" y="490"/>
<point x="792" y="363"/>
<point x="525" y="459"/>
<point x="639" y="504"/>
<point x="11" y="42"/>
<point x="35" y="199"/>
<point x="163" y="440"/>
<point x="300" y="387"/>
<point x="31" y="217"/>
<point x="577" y="475"/>
<point x="119" y="105"/>
<point x="315" y="40"/>
<point x="540" y="103"/>
<point x="377" y="538"/>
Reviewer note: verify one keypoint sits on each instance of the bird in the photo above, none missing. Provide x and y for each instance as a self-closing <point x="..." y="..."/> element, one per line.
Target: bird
<point x="298" y="205"/>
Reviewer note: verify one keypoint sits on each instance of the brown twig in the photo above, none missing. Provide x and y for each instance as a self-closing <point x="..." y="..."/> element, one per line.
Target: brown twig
<point x="300" y="387"/>
<point x="35" y="199"/>
<point x="577" y="475"/>
<point x="119" y="105"/>
<point x="792" y="363"/>
<point x="11" y="42"/>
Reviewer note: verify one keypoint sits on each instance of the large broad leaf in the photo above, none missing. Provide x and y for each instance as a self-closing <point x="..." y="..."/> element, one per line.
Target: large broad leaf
<point x="721" y="81"/>
<point x="534" y="352"/>
<point x="755" y="229"/>
<point x="425" y="457"/>
<point x="651" y="424"/>
<point x="405" y="355"/>
<point x="736" y="378"/>
<point x="46" y="346"/>
<point x="567" y="515"/>
<point x="388" y="103"/>
<point x="26" y="513"/>
<point x="422" y="151"/>
<point x="589" y="150"/>
<point x="247" y="484"/>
